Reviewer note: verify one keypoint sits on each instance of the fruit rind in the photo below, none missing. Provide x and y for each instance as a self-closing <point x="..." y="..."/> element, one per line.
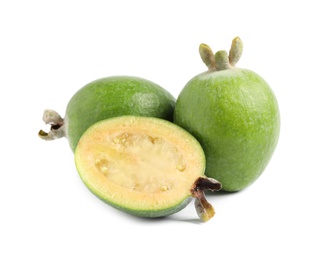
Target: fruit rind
<point x="156" y="213"/>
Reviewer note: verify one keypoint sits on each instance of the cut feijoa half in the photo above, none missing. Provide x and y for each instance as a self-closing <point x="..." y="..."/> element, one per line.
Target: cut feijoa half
<point x="145" y="166"/>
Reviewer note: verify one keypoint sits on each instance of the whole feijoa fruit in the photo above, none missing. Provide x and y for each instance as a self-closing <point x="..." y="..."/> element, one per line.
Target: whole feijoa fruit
<point x="145" y="166"/>
<point x="235" y="116"/>
<point x="105" y="98"/>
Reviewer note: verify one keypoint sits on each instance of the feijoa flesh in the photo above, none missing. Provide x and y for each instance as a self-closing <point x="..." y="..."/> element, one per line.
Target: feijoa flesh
<point x="145" y="166"/>
<point x="234" y="114"/>
<point x="106" y="98"/>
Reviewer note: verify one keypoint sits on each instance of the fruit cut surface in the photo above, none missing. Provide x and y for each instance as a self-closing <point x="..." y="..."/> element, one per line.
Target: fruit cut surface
<point x="141" y="165"/>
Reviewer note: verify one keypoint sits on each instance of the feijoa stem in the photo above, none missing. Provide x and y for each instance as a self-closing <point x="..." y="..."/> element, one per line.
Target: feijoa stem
<point x="52" y="118"/>
<point x="203" y="208"/>
<point x="221" y="60"/>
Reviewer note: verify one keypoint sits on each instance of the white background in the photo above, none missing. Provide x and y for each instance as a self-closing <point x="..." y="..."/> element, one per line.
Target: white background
<point x="49" y="49"/>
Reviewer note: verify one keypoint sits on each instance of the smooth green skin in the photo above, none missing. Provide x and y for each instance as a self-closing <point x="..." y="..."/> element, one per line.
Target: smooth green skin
<point x="234" y="114"/>
<point x="115" y="96"/>
<point x="144" y="213"/>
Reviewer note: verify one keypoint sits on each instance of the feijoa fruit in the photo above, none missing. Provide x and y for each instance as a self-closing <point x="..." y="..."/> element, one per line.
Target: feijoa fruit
<point x="235" y="116"/>
<point x="145" y="166"/>
<point x="105" y="98"/>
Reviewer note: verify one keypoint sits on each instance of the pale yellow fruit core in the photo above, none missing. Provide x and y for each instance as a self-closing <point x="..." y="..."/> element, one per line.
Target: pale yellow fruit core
<point x="139" y="163"/>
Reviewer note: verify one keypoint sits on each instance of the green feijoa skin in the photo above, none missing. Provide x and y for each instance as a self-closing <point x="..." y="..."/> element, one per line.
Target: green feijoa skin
<point x="234" y="114"/>
<point x="148" y="167"/>
<point x="106" y="98"/>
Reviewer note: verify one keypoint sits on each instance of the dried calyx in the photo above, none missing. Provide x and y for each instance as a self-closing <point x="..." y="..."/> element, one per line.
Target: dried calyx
<point x="57" y="125"/>
<point x="203" y="208"/>
<point x="221" y="60"/>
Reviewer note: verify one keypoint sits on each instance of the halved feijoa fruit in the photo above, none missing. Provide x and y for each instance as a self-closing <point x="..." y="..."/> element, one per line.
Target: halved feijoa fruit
<point x="145" y="166"/>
